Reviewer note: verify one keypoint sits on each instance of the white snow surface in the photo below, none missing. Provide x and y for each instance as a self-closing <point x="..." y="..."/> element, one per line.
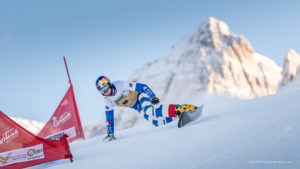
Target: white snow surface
<point x="258" y="133"/>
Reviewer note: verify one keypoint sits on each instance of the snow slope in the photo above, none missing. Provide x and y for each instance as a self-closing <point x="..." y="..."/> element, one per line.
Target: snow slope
<point x="259" y="133"/>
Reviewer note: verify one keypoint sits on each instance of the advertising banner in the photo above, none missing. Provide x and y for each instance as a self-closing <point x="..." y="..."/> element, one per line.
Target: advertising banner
<point x="65" y="120"/>
<point x="20" y="148"/>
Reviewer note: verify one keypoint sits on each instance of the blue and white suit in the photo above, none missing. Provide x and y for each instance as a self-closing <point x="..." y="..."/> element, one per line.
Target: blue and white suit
<point x="136" y="96"/>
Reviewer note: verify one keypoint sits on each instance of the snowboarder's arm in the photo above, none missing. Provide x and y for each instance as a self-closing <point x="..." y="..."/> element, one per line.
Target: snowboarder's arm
<point x="110" y="121"/>
<point x="109" y="112"/>
<point x="140" y="87"/>
<point x="145" y="89"/>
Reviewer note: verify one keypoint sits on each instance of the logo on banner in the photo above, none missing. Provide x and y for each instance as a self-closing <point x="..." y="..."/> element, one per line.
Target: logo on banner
<point x="65" y="103"/>
<point x="34" y="151"/>
<point x="3" y="160"/>
<point x="62" y="119"/>
<point x="9" y="135"/>
<point x="71" y="132"/>
<point x="22" y="155"/>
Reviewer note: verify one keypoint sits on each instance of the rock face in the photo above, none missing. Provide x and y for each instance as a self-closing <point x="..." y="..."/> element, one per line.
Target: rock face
<point x="290" y="65"/>
<point x="211" y="61"/>
<point x="291" y="71"/>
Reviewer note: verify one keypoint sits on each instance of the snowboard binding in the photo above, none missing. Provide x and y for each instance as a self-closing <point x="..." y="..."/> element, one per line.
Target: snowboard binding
<point x="108" y="138"/>
<point x="188" y="114"/>
<point x="180" y="109"/>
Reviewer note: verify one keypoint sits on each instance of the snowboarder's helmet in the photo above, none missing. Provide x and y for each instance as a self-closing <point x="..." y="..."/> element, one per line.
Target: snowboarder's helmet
<point x="103" y="84"/>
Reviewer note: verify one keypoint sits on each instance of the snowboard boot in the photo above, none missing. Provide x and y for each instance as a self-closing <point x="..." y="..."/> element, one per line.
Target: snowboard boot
<point x="109" y="137"/>
<point x="181" y="108"/>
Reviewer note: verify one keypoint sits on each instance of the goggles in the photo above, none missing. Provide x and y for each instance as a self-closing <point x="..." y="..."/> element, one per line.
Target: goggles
<point x="104" y="89"/>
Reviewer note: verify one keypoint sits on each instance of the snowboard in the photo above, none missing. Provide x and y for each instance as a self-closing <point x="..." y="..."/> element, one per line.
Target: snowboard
<point x="189" y="116"/>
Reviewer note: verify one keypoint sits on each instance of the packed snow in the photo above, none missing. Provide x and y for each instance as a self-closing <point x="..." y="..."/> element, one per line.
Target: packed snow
<point x="258" y="133"/>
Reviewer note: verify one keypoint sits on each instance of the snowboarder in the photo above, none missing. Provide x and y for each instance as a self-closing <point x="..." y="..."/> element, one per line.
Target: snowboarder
<point x="139" y="97"/>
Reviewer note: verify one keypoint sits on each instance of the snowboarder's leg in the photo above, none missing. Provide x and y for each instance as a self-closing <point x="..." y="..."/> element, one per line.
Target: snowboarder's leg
<point x="158" y="115"/>
<point x="149" y="111"/>
<point x="110" y="122"/>
<point x="178" y="109"/>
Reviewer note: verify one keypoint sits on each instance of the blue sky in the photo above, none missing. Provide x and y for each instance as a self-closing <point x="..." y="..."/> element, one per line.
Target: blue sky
<point x="115" y="38"/>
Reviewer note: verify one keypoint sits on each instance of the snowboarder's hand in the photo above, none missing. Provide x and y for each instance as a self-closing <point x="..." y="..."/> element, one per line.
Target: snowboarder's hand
<point x="109" y="137"/>
<point x="154" y="100"/>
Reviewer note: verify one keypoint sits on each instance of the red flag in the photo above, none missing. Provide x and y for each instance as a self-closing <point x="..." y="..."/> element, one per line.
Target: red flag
<point x="65" y="120"/>
<point x="19" y="148"/>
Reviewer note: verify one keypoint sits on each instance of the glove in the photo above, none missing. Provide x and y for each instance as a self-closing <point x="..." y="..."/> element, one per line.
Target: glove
<point x="154" y="100"/>
<point x="109" y="137"/>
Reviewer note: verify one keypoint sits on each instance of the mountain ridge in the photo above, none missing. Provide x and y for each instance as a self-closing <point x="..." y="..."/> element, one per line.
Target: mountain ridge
<point x="213" y="61"/>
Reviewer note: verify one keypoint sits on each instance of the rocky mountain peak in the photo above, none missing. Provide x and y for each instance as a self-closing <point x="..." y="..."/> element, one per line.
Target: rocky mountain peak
<point x="213" y="61"/>
<point x="212" y="32"/>
<point x="290" y="65"/>
<point x="214" y="26"/>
